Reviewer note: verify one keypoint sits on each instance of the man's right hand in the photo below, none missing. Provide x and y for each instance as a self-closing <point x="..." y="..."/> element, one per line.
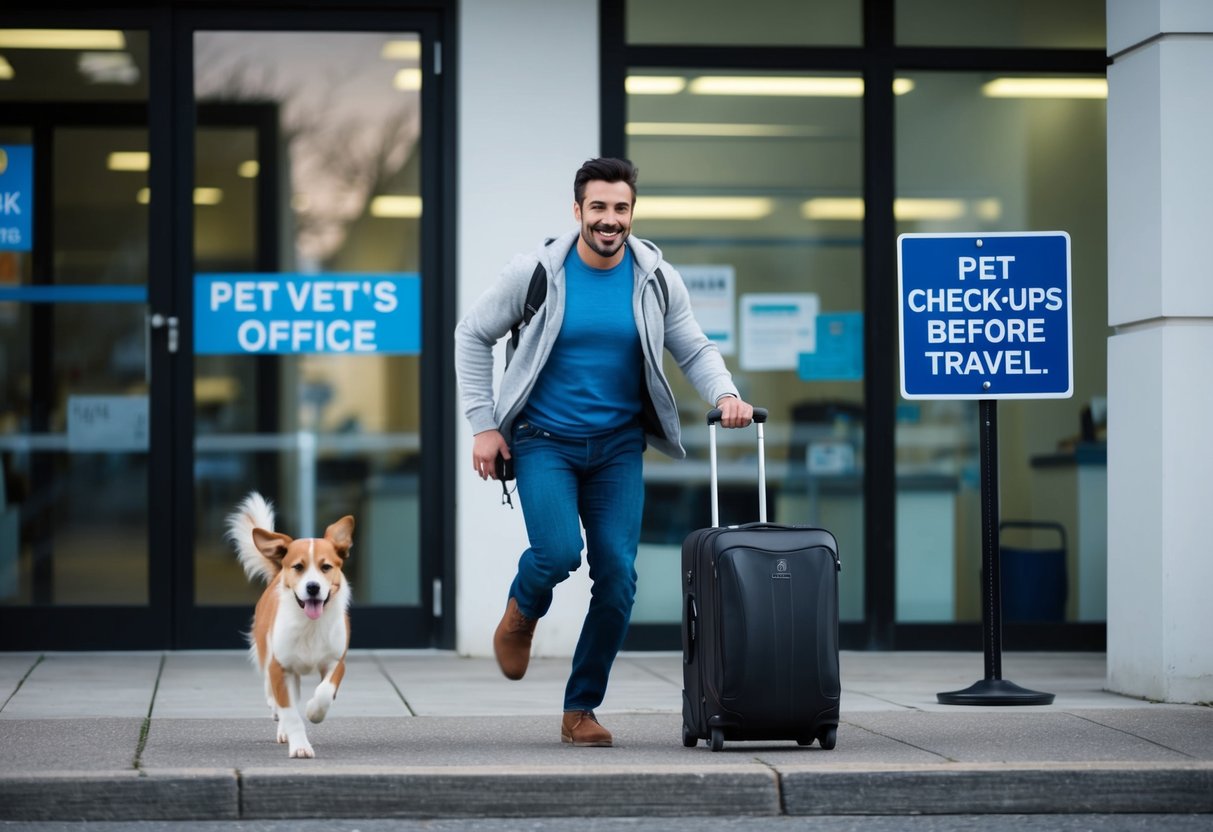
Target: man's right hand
<point x="485" y="447"/>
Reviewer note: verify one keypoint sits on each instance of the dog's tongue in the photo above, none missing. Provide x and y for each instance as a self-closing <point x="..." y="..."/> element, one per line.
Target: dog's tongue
<point x="313" y="607"/>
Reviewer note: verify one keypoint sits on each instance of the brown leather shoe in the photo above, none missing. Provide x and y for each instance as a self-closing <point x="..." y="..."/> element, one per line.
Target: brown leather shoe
<point x="581" y="728"/>
<point x="512" y="641"/>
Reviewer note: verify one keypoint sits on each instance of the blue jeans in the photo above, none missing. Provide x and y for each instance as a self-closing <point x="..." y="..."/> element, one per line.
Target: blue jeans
<point x="600" y="480"/>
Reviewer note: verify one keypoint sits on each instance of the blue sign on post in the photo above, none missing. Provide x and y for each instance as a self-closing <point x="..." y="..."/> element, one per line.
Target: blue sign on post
<point x="985" y="316"/>
<point x="16" y="197"/>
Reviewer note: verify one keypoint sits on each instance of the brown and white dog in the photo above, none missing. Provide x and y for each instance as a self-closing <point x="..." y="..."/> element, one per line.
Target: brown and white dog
<point x="301" y="625"/>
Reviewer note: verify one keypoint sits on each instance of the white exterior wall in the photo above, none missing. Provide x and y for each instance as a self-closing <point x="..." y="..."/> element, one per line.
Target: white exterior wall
<point x="528" y="117"/>
<point x="1160" y="386"/>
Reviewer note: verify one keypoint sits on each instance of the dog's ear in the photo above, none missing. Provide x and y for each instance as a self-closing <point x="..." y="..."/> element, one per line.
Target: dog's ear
<point x="271" y="544"/>
<point x="341" y="535"/>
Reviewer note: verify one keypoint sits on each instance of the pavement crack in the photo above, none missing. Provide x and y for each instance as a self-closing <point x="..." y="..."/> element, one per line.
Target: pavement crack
<point x="382" y="669"/>
<point x="933" y="753"/>
<point x="146" y="727"/>
<point x="779" y="799"/>
<point x="645" y="667"/>
<point x="899" y="705"/>
<point x="21" y="681"/>
<point x="1135" y="736"/>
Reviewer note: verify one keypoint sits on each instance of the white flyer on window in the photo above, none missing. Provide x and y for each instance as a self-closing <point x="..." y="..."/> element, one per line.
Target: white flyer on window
<point x="776" y="329"/>
<point x="713" y="292"/>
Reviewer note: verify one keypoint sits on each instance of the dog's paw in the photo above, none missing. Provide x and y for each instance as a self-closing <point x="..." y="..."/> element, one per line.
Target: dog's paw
<point x="302" y="752"/>
<point x="282" y="737"/>
<point x="318" y="708"/>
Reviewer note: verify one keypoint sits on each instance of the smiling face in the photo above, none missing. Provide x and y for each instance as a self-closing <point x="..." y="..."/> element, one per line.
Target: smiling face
<point x="311" y="567"/>
<point x="605" y="217"/>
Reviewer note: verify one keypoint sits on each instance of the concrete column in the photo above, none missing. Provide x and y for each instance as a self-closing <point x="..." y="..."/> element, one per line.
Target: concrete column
<point x="528" y="118"/>
<point x="1160" y="357"/>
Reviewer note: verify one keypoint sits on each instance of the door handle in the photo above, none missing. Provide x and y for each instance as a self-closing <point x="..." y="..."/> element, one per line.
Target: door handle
<point x="159" y="321"/>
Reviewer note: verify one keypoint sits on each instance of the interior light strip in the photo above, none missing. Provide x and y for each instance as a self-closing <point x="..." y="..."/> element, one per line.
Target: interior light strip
<point x="1046" y="88"/>
<point x="62" y="39"/>
<point x="703" y="208"/>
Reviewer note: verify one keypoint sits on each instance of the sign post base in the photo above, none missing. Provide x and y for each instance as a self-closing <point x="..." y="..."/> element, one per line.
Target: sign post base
<point x="994" y="692"/>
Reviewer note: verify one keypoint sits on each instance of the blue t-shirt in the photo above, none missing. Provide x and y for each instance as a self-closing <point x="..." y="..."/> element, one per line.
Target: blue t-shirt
<point x="591" y="381"/>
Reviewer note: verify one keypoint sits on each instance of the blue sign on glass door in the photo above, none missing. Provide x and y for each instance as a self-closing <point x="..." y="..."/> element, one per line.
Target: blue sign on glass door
<point x="16" y="197"/>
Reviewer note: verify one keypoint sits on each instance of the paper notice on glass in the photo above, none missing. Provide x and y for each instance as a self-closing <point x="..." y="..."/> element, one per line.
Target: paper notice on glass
<point x="776" y="329"/>
<point x="107" y="423"/>
<point x="712" y="290"/>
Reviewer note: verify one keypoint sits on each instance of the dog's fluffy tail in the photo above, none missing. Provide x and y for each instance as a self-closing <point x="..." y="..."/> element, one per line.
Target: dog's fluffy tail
<point x="255" y="512"/>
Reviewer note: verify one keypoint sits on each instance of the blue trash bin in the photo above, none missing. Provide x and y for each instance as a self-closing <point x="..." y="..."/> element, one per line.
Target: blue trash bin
<point x="1034" y="583"/>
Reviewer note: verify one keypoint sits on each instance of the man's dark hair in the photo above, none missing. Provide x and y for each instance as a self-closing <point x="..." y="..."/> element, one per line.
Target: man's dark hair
<point x="604" y="170"/>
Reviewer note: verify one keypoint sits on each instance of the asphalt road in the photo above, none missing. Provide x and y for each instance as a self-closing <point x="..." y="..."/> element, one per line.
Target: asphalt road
<point x="918" y="823"/>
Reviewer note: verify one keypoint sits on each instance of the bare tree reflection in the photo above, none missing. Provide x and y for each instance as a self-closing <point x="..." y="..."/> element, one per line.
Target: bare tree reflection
<point x="346" y="132"/>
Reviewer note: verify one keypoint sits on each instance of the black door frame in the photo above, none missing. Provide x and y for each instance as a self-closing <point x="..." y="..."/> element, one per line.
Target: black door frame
<point x="171" y="620"/>
<point x="62" y="627"/>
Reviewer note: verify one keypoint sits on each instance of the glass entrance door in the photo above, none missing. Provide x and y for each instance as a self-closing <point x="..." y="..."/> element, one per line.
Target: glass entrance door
<point x="308" y="251"/>
<point x="81" y="361"/>
<point x="210" y="287"/>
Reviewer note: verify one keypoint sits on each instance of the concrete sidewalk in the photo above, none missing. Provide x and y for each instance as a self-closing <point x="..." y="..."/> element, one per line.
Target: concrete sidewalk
<point x="187" y="735"/>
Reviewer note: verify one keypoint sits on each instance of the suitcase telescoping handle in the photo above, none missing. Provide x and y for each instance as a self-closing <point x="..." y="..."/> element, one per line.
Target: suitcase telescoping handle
<point x="760" y="417"/>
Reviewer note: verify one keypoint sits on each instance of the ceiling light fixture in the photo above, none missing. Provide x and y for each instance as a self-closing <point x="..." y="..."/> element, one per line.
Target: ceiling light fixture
<point x="909" y="208"/>
<point x="654" y="84"/>
<point x="249" y="169"/>
<point x="6" y="69"/>
<point x="703" y="208"/>
<point x="819" y="86"/>
<point x="401" y="50"/>
<point x="832" y="208"/>
<point x="1046" y="88"/>
<point x="717" y="130"/>
<point x="906" y="208"/>
<point x="396" y="207"/>
<point x="823" y="86"/>
<point x="61" y="39"/>
<point x="208" y="196"/>
<point x="108" y="68"/>
<point x="408" y="79"/>
<point x="129" y="160"/>
<point x="202" y="196"/>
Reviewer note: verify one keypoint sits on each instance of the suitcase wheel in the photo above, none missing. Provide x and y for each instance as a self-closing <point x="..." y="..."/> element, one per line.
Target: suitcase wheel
<point x="829" y="737"/>
<point x="689" y="738"/>
<point x="717" y="741"/>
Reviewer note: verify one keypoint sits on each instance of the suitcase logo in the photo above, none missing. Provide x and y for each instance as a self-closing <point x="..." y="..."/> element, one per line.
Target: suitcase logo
<point x="781" y="569"/>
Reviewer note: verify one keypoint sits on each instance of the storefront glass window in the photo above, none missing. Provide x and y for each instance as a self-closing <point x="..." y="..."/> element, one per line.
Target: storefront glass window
<point x="758" y="23"/>
<point x="1074" y="24"/>
<point x="748" y="183"/>
<point x="987" y="152"/>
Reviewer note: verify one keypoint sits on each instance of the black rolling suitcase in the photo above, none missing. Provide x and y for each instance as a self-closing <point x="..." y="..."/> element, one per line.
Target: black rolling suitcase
<point x="760" y="627"/>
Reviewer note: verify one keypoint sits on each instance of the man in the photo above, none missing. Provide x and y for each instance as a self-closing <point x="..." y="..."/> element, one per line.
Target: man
<point x="582" y="394"/>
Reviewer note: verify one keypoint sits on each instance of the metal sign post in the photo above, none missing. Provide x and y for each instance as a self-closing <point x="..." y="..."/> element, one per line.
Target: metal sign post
<point x="986" y="316"/>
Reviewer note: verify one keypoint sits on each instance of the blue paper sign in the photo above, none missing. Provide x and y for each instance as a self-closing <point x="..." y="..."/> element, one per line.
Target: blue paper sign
<point x="282" y="314"/>
<point x="839" y="353"/>
<point x="16" y="197"/>
<point x="985" y="316"/>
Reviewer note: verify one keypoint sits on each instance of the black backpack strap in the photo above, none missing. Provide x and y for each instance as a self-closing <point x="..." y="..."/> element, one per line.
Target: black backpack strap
<point x="535" y="294"/>
<point x="665" y="291"/>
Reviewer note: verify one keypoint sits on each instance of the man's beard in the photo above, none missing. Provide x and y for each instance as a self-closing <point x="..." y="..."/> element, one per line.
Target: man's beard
<point x="601" y="249"/>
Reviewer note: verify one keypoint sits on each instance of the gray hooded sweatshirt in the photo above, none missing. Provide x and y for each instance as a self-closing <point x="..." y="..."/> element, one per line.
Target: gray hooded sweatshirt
<point x="662" y="326"/>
